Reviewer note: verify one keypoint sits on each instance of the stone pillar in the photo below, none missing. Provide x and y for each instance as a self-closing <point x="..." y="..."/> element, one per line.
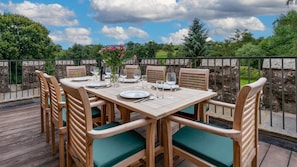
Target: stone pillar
<point x="29" y="78"/>
<point x="223" y="77"/>
<point x="88" y="64"/>
<point x="60" y="68"/>
<point x="4" y="80"/>
<point x="282" y="82"/>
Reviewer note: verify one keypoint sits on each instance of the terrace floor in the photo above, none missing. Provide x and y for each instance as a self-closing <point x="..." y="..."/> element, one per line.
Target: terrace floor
<point x="22" y="144"/>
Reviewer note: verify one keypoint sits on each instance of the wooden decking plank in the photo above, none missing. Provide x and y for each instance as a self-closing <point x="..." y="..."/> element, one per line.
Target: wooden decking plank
<point x="276" y="156"/>
<point x="263" y="149"/>
<point x="293" y="160"/>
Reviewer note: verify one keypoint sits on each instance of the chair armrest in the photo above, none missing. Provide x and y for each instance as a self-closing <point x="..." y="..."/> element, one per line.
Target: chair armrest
<point x="232" y="133"/>
<point x="91" y="99"/>
<point x="97" y="103"/>
<point x="98" y="134"/>
<point x="222" y="104"/>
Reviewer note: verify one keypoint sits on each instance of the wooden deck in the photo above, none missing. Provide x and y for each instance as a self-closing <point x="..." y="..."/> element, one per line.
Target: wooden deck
<point x="22" y="144"/>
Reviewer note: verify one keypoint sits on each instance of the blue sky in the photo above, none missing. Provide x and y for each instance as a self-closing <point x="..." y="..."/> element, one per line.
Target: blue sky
<point x="110" y="22"/>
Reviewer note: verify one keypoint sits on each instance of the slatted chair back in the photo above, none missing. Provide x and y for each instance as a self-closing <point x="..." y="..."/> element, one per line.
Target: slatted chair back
<point x="75" y="71"/>
<point x="44" y="105"/>
<point x="55" y="100"/>
<point x="58" y="115"/>
<point x="79" y="122"/>
<point x="155" y="73"/>
<point x="245" y="150"/>
<point x="194" y="78"/>
<point x="130" y="70"/>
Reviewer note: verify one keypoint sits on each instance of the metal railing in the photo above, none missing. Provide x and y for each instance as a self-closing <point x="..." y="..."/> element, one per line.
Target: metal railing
<point x="278" y="103"/>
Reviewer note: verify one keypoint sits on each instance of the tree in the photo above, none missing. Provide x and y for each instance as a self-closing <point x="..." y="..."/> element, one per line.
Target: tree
<point x="283" y="42"/>
<point x="22" y="38"/>
<point x="195" y="44"/>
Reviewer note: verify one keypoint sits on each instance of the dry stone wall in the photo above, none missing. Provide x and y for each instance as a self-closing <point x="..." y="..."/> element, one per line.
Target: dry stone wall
<point x="281" y="84"/>
<point x="4" y="80"/>
<point x="223" y="77"/>
<point x="29" y="78"/>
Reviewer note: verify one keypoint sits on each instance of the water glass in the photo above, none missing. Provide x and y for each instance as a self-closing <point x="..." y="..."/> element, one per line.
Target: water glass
<point x="144" y="81"/>
<point x="160" y="89"/>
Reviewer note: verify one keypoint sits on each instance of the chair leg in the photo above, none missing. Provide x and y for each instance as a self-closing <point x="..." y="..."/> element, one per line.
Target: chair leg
<point x="53" y="139"/>
<point x="69" y="159"/>
<point x="41" y="120"/>
<point x="61" y="150"/>
<point x="47" y="125"/>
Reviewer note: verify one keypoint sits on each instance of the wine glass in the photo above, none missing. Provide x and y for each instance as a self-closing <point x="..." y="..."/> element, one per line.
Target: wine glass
<point x="95" y="71"/>
<point x="171" y="81"/>
<point x="123" y="74"/>
<point x="137" y="74"/>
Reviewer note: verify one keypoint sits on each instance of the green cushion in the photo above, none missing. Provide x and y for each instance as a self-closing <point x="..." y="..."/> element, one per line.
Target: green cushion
<point x="215" y="149"/>
<point x="109" y="151"/>
<point x="189" y="111"/>
<point x="96" y="112"/>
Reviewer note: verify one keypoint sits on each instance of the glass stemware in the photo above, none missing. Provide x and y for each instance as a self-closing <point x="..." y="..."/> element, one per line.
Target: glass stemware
<point x="107" y="72"/>
<point x="137" y="74"/>
<point x="95" y="71"/>
<point x="123" y="74"/>
<point x="171" y="81"/>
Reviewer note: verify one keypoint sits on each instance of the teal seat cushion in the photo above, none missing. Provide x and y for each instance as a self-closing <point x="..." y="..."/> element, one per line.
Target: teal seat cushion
<point x="215" y="149"/>
<point x="189" y="111"/>
<point x="96" y="112"/>
<point x="109" y="151"/>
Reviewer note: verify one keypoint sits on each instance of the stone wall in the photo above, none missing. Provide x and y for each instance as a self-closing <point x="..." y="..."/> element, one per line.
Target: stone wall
<point x="282" y="85"/>
<point x="223" y="77"/>
<point x="29" y="78"/>
<point x="4" y="80"/>
<point x="88" y="64"/>
<point x="60" y="68"/>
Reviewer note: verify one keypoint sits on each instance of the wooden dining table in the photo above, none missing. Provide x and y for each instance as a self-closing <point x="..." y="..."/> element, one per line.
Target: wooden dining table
<point x="156" y="109"/>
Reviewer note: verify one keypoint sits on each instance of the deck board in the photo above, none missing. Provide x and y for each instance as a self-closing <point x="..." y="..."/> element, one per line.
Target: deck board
<point x="22" y="144"/>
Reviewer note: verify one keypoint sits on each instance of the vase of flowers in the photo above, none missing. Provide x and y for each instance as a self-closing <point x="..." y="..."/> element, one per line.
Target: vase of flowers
<point x="113" y="57"/>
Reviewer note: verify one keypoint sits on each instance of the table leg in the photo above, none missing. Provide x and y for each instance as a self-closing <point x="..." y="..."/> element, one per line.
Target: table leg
<point x="125" y="114"/>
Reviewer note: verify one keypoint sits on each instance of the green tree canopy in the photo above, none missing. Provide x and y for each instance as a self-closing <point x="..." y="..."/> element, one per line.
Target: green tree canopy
<point x="195" y="44"/>
<point x="284" y="40"/>
<point x="22" y="38"/>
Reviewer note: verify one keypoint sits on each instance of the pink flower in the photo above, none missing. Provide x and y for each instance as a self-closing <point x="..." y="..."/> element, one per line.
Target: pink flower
<point x="122" y="54"/>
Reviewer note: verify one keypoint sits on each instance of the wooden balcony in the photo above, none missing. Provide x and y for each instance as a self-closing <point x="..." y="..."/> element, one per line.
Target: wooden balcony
<point x="22" y="143"/>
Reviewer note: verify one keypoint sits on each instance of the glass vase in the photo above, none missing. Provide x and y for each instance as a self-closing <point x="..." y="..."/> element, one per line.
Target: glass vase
<point x="114" y="76"/>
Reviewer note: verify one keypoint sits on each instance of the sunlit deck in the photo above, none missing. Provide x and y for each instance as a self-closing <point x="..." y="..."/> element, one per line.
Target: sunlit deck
<point x="22" y="144"/>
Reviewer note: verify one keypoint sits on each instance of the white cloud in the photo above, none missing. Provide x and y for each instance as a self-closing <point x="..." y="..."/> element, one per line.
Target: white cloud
<point x="227" y="26"/>
<point x="51" y="14"/>
<point x="120" y="33"/>
<point x="176" y="38"/>
<point x="72" y="35"/>
<point x="135" y="10"/>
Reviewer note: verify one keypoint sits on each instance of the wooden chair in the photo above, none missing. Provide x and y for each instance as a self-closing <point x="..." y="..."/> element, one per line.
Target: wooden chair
<point x="194" y="79"/>
<point x="76" y="71"/>
<point x="207" y="145"/>
<point x="58" y="114"/>
<point x="44" y="103"/>
<point x="130" y="70"/>
<point x="155" y="73"/>
<point x="108" y="145"/>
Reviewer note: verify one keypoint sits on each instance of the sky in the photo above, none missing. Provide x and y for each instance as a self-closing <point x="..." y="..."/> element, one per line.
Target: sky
<point x="110" y="22"/>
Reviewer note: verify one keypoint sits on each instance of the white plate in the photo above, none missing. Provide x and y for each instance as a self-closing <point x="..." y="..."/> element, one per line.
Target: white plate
<point x="166" y="86"/>
<point x="128" y="80"/>
<point x="79" y="79"/>
<point x="96" y="84"/>
<point x="134" y="94"/>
